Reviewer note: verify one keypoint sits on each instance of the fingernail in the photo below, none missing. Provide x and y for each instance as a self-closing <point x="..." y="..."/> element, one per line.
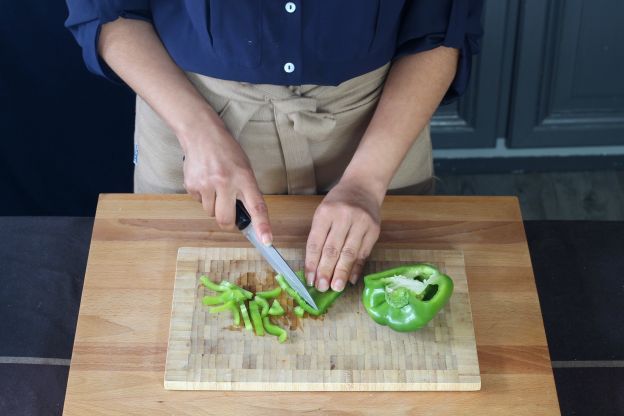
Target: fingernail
<point x="267" y="240"/>
<point x="353" y="279"/>
<point x="310" y="278"/>
<point x="322" y="284"/>
<point x="338" y="285"/>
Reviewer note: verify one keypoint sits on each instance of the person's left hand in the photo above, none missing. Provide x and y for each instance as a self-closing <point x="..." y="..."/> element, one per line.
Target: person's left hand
<point x="344" y="230"/>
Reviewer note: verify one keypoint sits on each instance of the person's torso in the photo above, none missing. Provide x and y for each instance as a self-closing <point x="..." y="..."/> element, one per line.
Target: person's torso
<point x="279" y="42"/>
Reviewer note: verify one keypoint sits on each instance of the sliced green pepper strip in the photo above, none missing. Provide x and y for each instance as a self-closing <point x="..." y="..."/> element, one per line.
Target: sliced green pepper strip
<point x="284" y="285"/>
<point x="276" y="309"/>
<point x="264" y="304"/>
<point x="275" y="330"/>
<point x="217" y="287"/>
<point x="299" y="311"/>
<point x="406" y="298"/>
<point x="229" y="285"/>
<point x="228" y="295"/>
<point x="246" y="319"/>
<point x="323" y="300"/>
<point x="270" y="294"/>
<point x="256" y="319"/>
<point x="231" y="306"/>
<point x="222" y="308"/>
<point x="212" y="300"/>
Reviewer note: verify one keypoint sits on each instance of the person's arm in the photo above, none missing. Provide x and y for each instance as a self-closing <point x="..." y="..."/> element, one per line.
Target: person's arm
<point x="216" y="169"/>
<point x="346" y="223"/>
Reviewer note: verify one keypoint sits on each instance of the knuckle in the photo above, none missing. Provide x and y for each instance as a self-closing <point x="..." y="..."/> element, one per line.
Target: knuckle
<point x="225" y="222"/>
<point x="348" y="253"/>
<point x="310" y="265"/>
<point x="312" y="248"/>
<point x="344" y="210"/>
<point x="259" y="207"/>
<point x="324" y="209"/>
<point x="341" y="269"/>
<point x="330" y="251"/>
<point x="203" y="184"/>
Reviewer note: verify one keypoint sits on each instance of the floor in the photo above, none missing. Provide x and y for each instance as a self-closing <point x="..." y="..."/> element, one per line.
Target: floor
<point x="596" y="195"/>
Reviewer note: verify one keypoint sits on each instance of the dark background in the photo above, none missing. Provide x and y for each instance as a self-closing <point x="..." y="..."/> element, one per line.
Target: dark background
<point x="65" y="134"/>
<point x="546" y="93"/>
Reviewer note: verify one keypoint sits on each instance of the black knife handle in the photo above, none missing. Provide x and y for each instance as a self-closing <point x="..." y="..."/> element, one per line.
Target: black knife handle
<point x="242" y="216"/>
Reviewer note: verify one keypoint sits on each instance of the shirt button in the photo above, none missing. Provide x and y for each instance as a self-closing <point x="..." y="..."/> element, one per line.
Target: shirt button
<point x="289" y="67"/>
<point x="290" y="7"/>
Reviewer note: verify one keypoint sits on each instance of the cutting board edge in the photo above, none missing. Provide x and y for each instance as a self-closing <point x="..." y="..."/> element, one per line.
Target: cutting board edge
<point x="474" y="385"/>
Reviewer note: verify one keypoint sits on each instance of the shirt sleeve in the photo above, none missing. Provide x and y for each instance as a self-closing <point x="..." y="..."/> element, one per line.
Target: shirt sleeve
<point x="427" y="24"/>
<point x="85" y="19"/>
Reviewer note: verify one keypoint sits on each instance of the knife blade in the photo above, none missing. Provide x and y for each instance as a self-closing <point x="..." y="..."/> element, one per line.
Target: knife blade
<point x="270" y="253"/>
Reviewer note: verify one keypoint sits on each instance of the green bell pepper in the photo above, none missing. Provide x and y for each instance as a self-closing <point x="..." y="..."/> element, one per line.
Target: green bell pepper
<point x="323" y="300"/>
<point x="406" y="298"/>
<point x="245" y="315"/>
<point x="270" y="294"/>
<point x="299" y="312"/>
<point x="276" y="309"/>
<point x="275" y="330"/>
<point x="232" y="307"/>
<point x="256" y="318"/>
<point x="263" y="304"/>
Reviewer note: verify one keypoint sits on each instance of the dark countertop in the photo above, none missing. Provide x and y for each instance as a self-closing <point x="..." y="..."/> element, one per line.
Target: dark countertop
<point x="579" y="271"/>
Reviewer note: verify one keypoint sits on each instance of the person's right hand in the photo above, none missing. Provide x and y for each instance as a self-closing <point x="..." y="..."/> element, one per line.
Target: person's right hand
<point x="217" y="172"/>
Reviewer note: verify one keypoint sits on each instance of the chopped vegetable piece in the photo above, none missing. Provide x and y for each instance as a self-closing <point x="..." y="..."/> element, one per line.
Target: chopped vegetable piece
<point x="264" y="304"/>
<point x="284" y="285"/>
<point x="275" y="330"/>
<point x="246" y="319"/>
<point x="276" y="309"/>
<point x="212" y="300"/>
<point x="232" y="307"/>
<point x="256" y="319"/>
<point x="406" y="298"/>
<point x="323" y="300"/>
<point x="222" y="308"/>
<point x="270" y="294"/>
<point x="217" y="287"/>
<point x="299" y="311"/>
<point x="247" y="294"/>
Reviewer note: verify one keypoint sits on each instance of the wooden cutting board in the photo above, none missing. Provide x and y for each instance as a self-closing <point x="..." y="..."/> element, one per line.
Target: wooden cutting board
<point x="343" y="350"/>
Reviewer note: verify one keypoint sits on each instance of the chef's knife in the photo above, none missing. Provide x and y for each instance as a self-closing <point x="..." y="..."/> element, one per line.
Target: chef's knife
<point x="270" y="254"/>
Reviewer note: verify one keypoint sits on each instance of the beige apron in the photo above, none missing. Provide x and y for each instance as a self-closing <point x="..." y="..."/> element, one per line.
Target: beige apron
<point x="299" y="139"/>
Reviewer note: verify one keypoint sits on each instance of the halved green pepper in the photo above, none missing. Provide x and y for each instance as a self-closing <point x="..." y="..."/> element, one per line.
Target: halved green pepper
<point x="406" y="298"/>
<point x="323" y="300"/>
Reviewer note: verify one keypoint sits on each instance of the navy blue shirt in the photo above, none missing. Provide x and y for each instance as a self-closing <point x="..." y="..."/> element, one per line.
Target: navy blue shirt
<point x="293" y="42"/>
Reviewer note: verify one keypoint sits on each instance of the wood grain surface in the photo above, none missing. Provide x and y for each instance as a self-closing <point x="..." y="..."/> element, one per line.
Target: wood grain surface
<point x="344" y="350"/>
<point x="118" y="360"/>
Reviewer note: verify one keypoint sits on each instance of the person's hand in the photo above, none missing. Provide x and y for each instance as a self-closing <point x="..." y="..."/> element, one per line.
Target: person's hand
<point x="217" y="172"/>
<point x="344" y="230"/>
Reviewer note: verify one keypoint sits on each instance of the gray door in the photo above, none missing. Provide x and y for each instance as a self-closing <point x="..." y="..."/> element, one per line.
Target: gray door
<point x="568" y="87"/>
<point x="551" y="73"/>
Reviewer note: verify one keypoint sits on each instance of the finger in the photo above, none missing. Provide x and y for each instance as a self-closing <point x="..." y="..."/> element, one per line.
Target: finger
<point x="357" y="269"/>
<point x="225" y="209"/>
<point x="194" y="194"/>
<point x="207" y="199"/>
<point x="321" y="224"/>
<point x="348" y="257"/>
<point x="331" y="252"/>
<point x="368" y="242"/>
<point x="254" y="202"/>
